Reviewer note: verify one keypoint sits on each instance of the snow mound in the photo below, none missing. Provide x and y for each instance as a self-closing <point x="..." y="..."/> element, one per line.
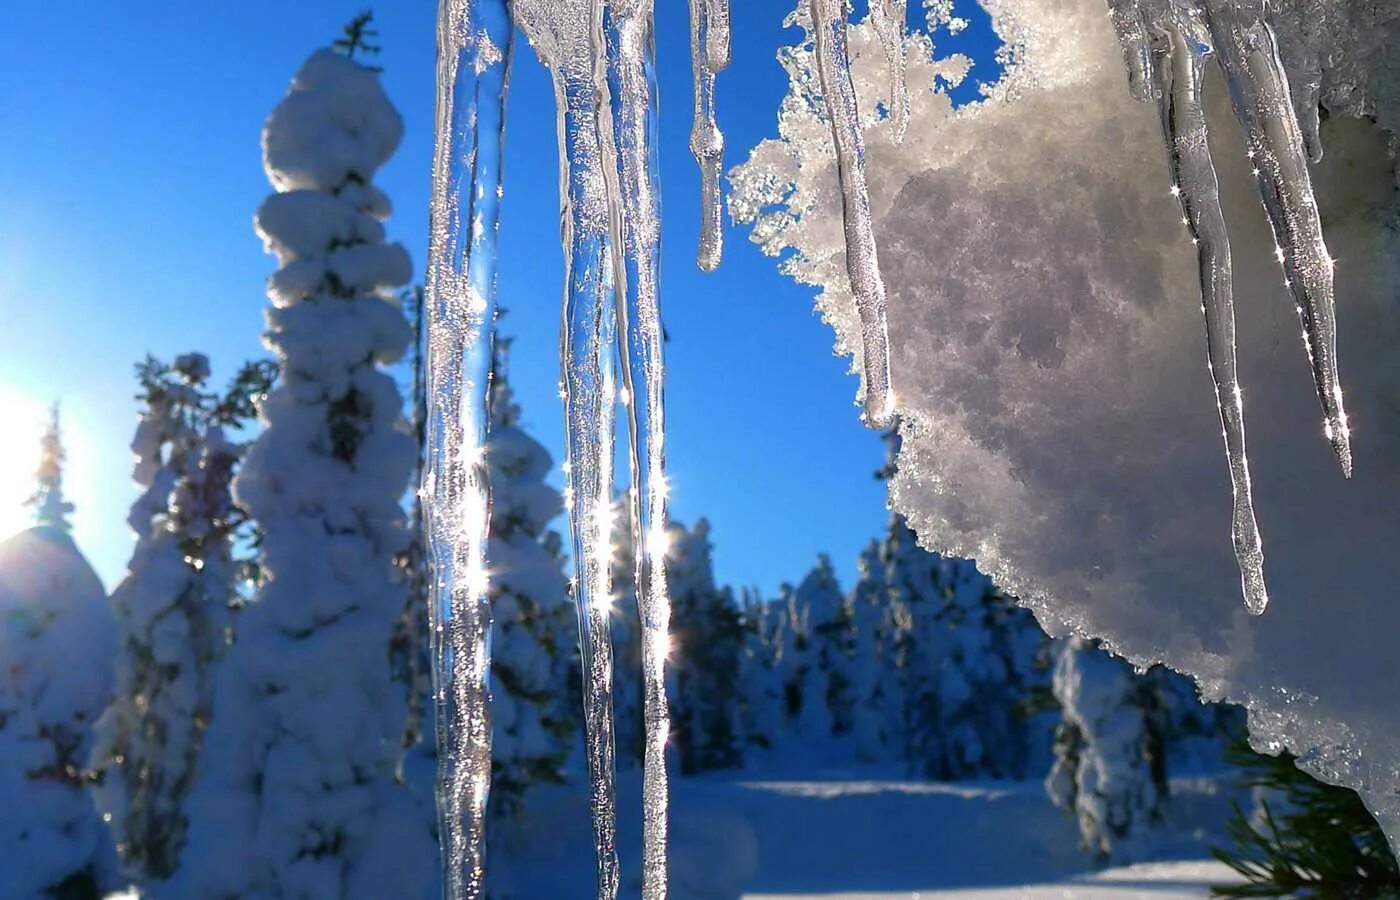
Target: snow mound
<point x="1059" y="424"/>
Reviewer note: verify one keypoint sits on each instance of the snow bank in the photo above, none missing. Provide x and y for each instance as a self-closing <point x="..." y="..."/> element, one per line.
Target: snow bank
<point x="1059" y="424"/>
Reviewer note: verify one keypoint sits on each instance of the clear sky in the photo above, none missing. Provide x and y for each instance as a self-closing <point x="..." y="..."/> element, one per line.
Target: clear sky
<point x="130" y="170"/>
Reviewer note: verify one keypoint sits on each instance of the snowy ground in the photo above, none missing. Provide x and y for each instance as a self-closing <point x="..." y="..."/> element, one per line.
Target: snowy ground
<point x="763" y="839"/>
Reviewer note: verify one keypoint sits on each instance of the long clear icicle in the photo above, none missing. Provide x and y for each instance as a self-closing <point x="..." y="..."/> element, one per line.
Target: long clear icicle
<point x="562" y="32"/>
<point x="1248" y="54"/>
<point x="828" y="20"/>
<point x="473" y="75"/>
<point x="1181" y="54"/>
<point x="628" y="127"/>
<point x="890" y="18"/>
<point x="709" y="53"/>
<point x="1165" y="44"/>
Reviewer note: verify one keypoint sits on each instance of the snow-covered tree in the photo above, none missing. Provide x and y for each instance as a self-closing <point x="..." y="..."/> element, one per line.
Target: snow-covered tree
<point x="708" y="637"/>
<point x="1109" y="767"/>
<point x="875" y="694"/>
<point x="814" y="652"/>
<point x="295" y="793"/>
<point x="56" y="645"/>
<point x="173" y="607"/>
<point x="533" y="631"/>
<point x="761" y="676"/>
<point x="51" y="510"/>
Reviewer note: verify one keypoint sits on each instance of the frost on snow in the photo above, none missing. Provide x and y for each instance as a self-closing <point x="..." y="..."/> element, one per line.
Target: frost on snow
<point x="1045" y="333"/>
<point x="296" y="793"/>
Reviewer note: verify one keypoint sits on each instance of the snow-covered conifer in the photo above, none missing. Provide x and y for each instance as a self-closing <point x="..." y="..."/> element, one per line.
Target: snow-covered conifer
<point x="1109" y="769"/>
<point x="708" y="641"/>
<point x="51" y="510"/>
<point x="761" y="673"/>
<point x="875" y="694"/>
<point x="173" y="607"/>
<point x="533" y="635"/>
<point x="57" y="647"/>
<point x="295" y="793"/>
<point x="815" y="652"/>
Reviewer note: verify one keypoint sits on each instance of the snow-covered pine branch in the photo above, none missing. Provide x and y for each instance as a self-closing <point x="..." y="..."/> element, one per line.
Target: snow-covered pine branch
<point x="56" y="643"/>
<point x="173" y="607"/>
<point x="296" y="794"/>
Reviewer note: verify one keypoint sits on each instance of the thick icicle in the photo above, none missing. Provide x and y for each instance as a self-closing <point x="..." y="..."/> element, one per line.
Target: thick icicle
<point x="1131" y="25"/>
<point x="828" y="22"/>
<point x="562" y="33"/>
<point x="890" y="18"/>
<point x="1263" y="104"/>
<point x="1180" y="63"/>
<point x="473" y="71"/>
<point x="709" y="52"/>
<point x="628" y="128"/>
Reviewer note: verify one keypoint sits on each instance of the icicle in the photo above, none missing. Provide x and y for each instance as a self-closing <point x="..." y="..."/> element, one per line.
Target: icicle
<point x="890" y="20"/>
<point x="709" y="52"/>
<point x="628" y="128"/>
<point x="1259" y="93"/>
<point x="1131" y="26"/>
<point x="562" y="33"/>
<point x="474" y="45"/>
<point x="828" y="22"/>
<point x="1181" y="54"/>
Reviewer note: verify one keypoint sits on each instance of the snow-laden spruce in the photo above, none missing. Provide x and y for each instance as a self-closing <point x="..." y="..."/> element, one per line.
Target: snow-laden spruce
<point x="173" y="608"/>
<point x="295" y="793"/>
<point x="57" y="647"/>
<point x="533" y="634"/>
<point x="1108" y="766"/>
<point x="706" y="647"/>
<point x="1044" y="308"/>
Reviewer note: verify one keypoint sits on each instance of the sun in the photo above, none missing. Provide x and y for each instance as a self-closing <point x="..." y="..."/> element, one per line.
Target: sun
<point x="19" y="457"/>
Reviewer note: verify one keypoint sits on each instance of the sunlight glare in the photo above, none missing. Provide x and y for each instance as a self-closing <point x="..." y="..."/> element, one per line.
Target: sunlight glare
<point x="19" y="457"/>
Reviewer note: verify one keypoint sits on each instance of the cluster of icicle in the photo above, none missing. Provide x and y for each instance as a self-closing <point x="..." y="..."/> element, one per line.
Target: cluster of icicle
<point x="601" y="56"/>
<point x="1166" y="45"/>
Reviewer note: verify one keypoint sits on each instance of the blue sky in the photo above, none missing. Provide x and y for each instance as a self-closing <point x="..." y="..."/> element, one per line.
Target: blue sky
<point x="131" y="169"/>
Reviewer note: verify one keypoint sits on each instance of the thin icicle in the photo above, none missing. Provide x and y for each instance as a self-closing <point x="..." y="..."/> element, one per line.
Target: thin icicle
<point x="473" y="74"/>
<point x="1263" y="104"/>
<point x="1181" y="55"/>
<point x="890" y="18"/>
<point x="628" y="129"/>
<point x="828" y="22"/>
<point x="709" y="52"/>
<point x="562" y="33"/>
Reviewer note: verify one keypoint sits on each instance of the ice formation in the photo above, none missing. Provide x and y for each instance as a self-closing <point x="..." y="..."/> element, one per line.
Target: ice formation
<point x="474" y="45"/>
<point x="1165" y="46"/>
<point x="628" y="129"/>
<point x="1045" y="336"/>
<point x="827" y="25"/>
<point x="709" y="52"/>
